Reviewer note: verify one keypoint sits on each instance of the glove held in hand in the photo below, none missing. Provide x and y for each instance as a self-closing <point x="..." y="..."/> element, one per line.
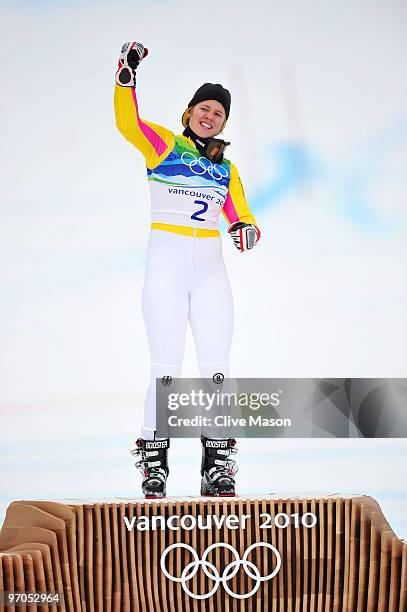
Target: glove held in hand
<point x="131" y="55"/>
<point x="244" y="235"/>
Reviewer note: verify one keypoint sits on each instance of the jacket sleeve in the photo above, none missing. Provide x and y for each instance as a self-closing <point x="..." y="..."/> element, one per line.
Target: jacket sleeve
<point x="153" y="141"/>
<point x="236" y="207"/>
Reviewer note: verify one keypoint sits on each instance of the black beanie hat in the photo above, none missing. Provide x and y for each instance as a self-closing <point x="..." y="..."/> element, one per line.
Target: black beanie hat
<point x="212" y="91"/>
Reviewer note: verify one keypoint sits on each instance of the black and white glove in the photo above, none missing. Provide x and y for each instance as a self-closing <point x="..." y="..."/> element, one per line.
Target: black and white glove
<point x="245" y="235"/>
<point x="131" y="55"/>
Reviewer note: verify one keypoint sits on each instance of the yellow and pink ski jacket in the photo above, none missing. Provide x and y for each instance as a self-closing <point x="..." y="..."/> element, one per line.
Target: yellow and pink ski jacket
<point x="188" y="191"/>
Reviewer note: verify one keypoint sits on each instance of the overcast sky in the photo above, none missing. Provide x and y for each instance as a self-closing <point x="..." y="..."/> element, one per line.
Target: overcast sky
<point x="318" y="128"/>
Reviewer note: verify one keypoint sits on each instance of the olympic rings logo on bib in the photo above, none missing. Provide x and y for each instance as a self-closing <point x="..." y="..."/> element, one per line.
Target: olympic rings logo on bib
<point x="229" y="572"/>
<point x="201" y="165"/>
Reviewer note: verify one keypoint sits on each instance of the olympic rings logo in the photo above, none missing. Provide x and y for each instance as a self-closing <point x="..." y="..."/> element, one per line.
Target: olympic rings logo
<point x="200" y="165"/>
<point x="229" y="572"/>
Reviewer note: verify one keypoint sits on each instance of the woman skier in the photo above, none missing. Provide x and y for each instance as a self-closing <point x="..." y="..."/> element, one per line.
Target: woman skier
<point x="185" y="277"/>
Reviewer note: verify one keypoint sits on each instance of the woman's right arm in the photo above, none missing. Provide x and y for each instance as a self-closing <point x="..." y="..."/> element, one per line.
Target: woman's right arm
<point x="153" y="141"/>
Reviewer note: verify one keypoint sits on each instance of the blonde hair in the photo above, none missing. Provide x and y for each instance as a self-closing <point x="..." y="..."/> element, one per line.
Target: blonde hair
<point x="186" y="116"/>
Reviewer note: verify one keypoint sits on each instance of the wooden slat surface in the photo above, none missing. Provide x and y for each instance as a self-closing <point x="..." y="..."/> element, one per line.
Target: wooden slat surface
<point x="351" y="561"/>
<point x="18" y="573"/>
<point x="107" y="558"/>
<point x="403" y="581"/>
<point x="339" y="556"/>
<point x="24" y="514"/>
<point x="346" y="544"/>
<point x="124" y="570"/>
<point x="88" y="557"/>
<point x="66" y="514"/>
<point x="330" y="556"/>
<point x="321" y="526"/>
<point x="315" y="553"/>
<point x="354" y="558"/>
<point x="298" y="563"/>
<point x="116" y="571"/>
<point x="98" y="561"/>
<point x="8" y="579"/>
<point x="42" y="567"/>
<point x="29" y="579"/>
<point x="395" y="568"/>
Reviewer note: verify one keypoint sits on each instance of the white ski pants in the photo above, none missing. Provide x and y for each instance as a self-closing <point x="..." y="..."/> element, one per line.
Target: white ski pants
<point x="185" y="279"/>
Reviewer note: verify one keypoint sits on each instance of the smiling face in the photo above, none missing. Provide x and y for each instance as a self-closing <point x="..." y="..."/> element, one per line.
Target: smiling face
<point x="207" y="118"/>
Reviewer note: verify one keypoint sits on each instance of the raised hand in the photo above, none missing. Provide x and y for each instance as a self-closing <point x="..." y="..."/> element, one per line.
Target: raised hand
<point x="131" y="55"/>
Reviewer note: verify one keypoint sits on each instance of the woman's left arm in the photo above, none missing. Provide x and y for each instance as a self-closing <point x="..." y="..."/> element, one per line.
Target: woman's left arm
<point x="236" y="208"/>
<point x="242" y="224"/>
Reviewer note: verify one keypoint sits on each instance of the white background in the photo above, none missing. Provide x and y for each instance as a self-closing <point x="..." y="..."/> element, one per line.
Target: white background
<point x="318" y="128"/>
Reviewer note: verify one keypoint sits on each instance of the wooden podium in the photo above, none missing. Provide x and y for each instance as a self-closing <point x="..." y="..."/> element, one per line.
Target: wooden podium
<point x="108" y="556"/>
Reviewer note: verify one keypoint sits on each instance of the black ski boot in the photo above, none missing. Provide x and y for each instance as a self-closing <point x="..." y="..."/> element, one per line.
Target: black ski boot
<point x="217" y="470"/>
<point x="153" y="465"/>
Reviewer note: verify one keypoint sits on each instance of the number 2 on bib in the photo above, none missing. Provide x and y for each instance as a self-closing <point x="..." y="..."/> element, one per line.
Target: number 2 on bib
<point x="201" y="211"/>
